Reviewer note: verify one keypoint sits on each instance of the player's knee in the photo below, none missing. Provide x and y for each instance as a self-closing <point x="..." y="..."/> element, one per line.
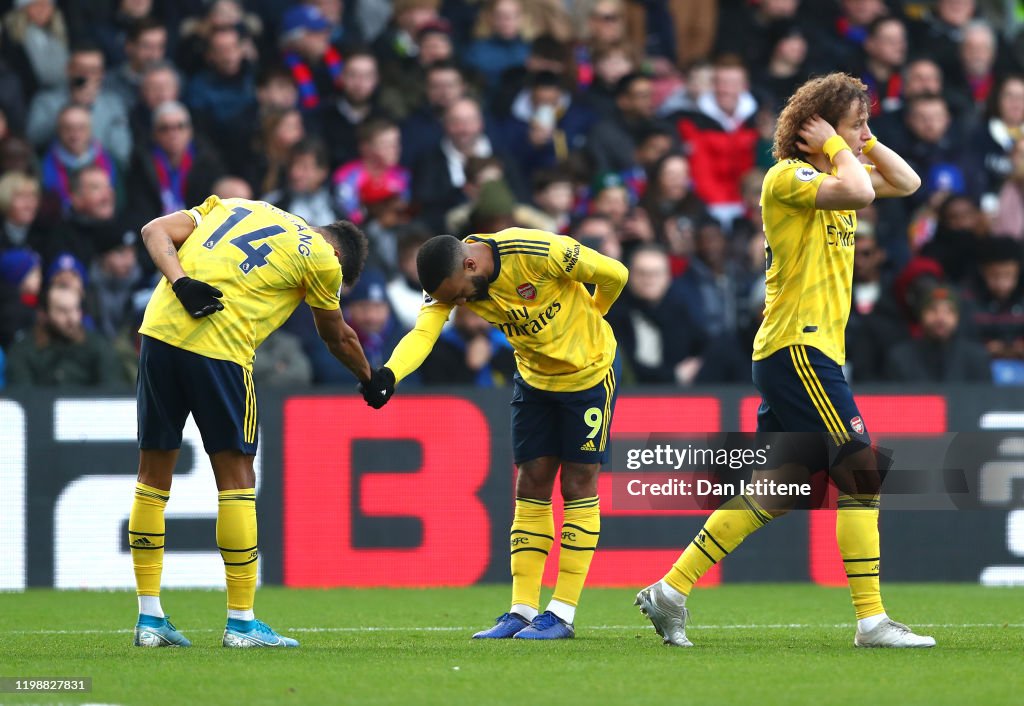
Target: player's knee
<point x="536" y="478"/>
<point x="579" y="480"/>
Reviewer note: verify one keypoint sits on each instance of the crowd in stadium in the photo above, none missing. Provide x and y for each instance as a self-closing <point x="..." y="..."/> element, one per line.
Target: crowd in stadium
<point x="643" y="128"/>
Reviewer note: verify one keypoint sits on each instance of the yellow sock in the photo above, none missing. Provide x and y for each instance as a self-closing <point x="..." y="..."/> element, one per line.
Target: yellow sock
<point x="857" y="535"/>
<point x="146" y="537"/>
<point x="531" y="537"/>
<point x="581" y="528"/>
<point x="236" y="539"/>
<point x="724" y="530"/>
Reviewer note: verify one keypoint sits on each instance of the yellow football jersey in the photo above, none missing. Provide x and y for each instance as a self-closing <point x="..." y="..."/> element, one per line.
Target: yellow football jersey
<point x="263" y="259"/>
<point x="809" y="281"/>
<point x="561" y="340"/>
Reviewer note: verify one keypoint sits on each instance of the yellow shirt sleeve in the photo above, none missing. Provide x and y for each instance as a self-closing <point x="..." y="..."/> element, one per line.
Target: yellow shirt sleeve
<point x="204" y="209"/>
<point x="416" y="345"/>
<point x="796" y="185"/>
<point x="323" y="279"/>
<point x="568" y="258"/>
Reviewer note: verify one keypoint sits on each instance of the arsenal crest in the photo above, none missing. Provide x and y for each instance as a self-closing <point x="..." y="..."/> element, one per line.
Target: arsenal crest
<point x="527" y="291"/>
<point x="857" y="424"/>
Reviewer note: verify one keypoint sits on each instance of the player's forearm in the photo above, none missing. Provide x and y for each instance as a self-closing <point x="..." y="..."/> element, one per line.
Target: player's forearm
<point x="851" y="172"/>
<point x="410" y="353"/>
<point x="162" y="251"/>
<point x="345" y="347"/>
<point x="609" y="280"/>
<point x="894" y="169"/>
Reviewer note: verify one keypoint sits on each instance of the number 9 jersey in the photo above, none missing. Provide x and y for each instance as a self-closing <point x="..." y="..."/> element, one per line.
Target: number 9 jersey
<point x="263" y="259"/>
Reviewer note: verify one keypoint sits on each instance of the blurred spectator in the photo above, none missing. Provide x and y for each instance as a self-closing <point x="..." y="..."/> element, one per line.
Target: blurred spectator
<point x="315" y="65"/>
<point x="611" y="64"/>
<point x="920" y="77"/>
<point x="12" y="99"/>
<point x="36" y="44"/>
<point x="93" y="212"/>
<point x="19" y="208"/>
<point x="404" y="290"/>
<point x="368" y="312"/>
<point x="424" y="128"/>
<point x="547" y="55"/>
<point x="996" y="298"/>
<point x="386" y="204"/>
<point x="479" y="171"/>
<point x="1009" y="218"/>
<point x="885" y="52"/>
<point x="851" y="27"/>
<point x="994" y="138"/>
<point x="280" y="130"/>
<point x="380" y="149"/>
<point x="145" y="45"/>
<point x="66" y="270"/>
<point x="669" y="200"/>
<point x="21" y="278"/>
<point x="747" y="31"/>
<point x="976" y="77"/>
<point x="545" y="124"/>
<point x="440" y="172"/>
<point x="495" y="208"/>
<point x="223" y="94"/>
<point x="232" y="187"/>
<point x="611" y="144"/>
<point x="354" y="106"/>
<point x="114" y="276"/>
<point x="469" y="352"/>
<point x="174" y="171"/>
<point x="959" y="228"/>
<point x="112" y="27"/>
<point x="939" y="355"/>
<point x="281" y="362"/>
<point x="597" y="232"/>
<point x="604" y="26"/>
<point x="786" y="69"/>
<point x="220" y="14"/>
<point x="933" y="150"/>
<point x="159" y="84"/>
<point x="59" y="351"/>
<point x="875" y="324"/>
<point x="396" y="47"/>
<point x="750" y="224"/>
<point x="74" y="149"/>
<point x="721" y="137"/>
<point x="275" y="88"/>
<point x="402" y="86"/>
<point x="659" y="341"/>
<point x="109" y="117"/>
<point x="553" y="195"/>
<point x="714" y="287"/>
<point x="500" y="44"/>
<point x="306" y="193"/>
<point x="941" y="31"/>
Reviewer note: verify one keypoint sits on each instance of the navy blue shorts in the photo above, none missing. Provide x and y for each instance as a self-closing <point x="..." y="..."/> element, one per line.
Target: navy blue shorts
<point x="803" y="390"/>
<point x="573" y="426"/>
<point x="219" y="394"/>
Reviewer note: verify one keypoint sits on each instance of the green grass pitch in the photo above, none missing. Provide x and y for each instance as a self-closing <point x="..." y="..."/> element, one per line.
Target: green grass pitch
<point x="755" y="645"/>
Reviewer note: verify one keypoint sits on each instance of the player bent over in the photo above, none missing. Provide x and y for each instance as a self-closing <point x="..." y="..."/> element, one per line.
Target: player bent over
<point x="234" y="271"/>
<point x="530" y="285"/>
<point x="809" y="200"/>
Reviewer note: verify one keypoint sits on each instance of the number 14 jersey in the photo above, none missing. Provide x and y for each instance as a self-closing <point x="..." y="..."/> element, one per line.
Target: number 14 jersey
<point x="263" y="259"/>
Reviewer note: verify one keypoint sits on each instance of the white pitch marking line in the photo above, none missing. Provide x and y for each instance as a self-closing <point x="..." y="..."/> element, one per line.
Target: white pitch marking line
<point x="427" y="628"/>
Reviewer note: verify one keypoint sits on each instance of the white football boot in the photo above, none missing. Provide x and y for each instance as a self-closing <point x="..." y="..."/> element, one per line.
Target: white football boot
<point x="889" y="633"/>
<point x="669" y="618"/>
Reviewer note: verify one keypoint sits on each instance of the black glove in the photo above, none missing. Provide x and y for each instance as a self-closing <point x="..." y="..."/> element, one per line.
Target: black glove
<point x="198" y="298"/>
<point x="379" y="389"/>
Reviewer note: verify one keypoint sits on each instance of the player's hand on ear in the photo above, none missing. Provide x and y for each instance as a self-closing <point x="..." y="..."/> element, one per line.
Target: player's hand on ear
<point x="379" y="389"/>
<point x="198" y="298"/>
<point x="814" y="133"/>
